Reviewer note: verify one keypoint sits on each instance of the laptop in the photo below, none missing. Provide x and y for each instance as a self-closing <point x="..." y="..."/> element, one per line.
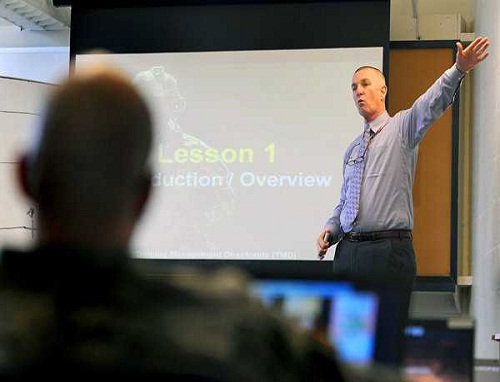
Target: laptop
<point x="439" y="350"/>
<point x="362" y="322"/>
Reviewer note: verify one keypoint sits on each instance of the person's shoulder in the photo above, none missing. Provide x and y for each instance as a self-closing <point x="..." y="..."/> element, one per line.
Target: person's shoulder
<point x="220" y="282"/>
<point x="182" y="290"/>
<point x="201" y="289"/>
<point x="372" y="373"/>
<point x="17" y="265"/>
<point x="217" y="308"/>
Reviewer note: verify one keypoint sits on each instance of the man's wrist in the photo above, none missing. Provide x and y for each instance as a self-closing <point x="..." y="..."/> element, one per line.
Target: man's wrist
<point x="461" y="71"/>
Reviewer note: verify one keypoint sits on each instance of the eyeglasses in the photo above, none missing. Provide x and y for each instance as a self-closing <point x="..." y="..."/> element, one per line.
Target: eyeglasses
<point x="352" y="162"/>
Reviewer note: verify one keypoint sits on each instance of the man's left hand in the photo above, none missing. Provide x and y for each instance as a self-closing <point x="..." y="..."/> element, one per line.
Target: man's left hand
<point x="468" y="58"/>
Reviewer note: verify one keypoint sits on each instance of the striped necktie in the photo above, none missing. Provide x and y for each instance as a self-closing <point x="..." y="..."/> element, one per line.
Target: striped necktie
<point x="354" y="187"/>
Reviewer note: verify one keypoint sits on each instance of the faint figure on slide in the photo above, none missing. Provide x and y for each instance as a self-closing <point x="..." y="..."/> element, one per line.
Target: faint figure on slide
<point x="197" y="182"/>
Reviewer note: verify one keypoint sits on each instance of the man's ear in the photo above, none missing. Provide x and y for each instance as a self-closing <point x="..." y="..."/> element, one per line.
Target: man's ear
<point x="383" y="91"/>
<point x="24" y="178"/>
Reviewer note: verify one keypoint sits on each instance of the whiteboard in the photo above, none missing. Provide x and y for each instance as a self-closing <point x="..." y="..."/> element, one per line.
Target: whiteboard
<point x="20" y="107"/>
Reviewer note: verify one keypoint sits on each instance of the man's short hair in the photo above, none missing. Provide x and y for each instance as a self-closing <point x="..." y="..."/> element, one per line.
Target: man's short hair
<point x="372" y="68"/>
<point x="93" y="147"/>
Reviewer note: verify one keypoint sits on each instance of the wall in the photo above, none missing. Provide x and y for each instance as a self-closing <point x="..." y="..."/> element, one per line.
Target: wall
<point x="19" y="113"/>
<point x="486" y="190"/>
<point x="404" y="8"/>
<point x="430" y="19"/>
<point x="34" y="55"/>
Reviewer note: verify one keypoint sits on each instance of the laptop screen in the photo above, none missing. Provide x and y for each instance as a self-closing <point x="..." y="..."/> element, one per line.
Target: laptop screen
<point x="440" y="350"/>
<point x="339" y="313"/>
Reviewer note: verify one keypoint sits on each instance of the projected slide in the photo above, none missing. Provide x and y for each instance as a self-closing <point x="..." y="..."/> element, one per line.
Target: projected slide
<point x="247" y="160"/>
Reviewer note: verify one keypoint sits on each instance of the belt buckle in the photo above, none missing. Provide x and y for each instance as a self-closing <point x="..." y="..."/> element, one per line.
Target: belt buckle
<point x="354" y="236"/>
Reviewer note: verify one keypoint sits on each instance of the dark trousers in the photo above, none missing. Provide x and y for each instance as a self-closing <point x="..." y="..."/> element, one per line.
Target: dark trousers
<point x="389" y="261"/>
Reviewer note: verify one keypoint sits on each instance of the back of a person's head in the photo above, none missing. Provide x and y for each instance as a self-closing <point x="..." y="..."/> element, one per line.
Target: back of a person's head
<point x="90" y="158"/>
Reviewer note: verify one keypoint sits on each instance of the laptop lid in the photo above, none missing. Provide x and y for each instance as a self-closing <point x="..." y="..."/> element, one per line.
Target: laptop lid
<point x="359" y="320"/>
<point x="439" y="350"/>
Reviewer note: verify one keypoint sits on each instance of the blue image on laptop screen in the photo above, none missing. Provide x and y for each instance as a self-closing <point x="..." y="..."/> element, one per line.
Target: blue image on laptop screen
<point x="335" y="312"/>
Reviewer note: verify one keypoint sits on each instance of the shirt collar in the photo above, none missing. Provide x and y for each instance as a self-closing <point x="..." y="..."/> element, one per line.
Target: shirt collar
<point x="379" y="122"/>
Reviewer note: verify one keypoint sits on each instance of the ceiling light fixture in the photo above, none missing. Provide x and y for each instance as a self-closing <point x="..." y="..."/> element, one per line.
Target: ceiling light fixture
<point x="35" y="14"/>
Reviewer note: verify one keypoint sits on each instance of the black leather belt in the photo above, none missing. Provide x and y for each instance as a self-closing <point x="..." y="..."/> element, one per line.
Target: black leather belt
<point x="377" y="235"/>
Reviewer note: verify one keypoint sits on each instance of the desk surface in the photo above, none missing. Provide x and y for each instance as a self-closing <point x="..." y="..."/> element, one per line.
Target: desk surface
<point x="487" y="372"/>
